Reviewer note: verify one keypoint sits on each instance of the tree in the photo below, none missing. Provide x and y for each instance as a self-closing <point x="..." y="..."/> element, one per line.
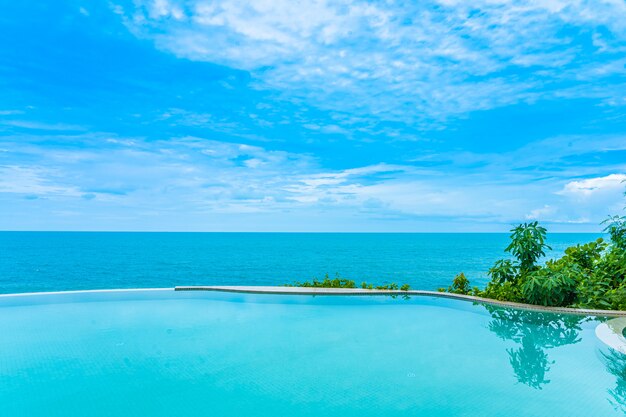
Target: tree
<point x="528" y="244"/>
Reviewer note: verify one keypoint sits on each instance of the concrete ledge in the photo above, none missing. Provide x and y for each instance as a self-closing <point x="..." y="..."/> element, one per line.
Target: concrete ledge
<point x="103" y="291"/>
<point x="360" y="291"/>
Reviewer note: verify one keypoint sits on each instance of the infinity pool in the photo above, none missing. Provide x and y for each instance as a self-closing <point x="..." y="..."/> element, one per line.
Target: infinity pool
<point x="166" y="353"/>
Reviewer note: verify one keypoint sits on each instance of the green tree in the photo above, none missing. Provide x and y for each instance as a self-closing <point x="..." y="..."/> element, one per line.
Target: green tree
<point x="528" y="244"/>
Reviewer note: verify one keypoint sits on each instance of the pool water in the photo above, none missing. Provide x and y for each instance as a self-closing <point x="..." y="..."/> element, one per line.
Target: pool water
<point x="166" y="353"/>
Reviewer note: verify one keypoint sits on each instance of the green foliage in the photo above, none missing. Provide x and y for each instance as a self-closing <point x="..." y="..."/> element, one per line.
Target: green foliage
<point x="528" y="244"/>
<point x="585" y="256"/>
<point x="605" y="286"/>
<point x="617" y="298"/>
<point x="392" y="286"/>
<point x="460" y="285"/>
<point x="616" y="228"/>
<point x="339" y="282"/>
<point x="591" y="275"/>
<point x="503" y="271"/>
<point x="552" y="285"/>
<point x="507" y="291"/>
<point x="592" y="293"/>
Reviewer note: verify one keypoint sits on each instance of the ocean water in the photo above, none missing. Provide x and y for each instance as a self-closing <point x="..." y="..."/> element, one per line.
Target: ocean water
<point x="52" y="261"/>
<point x="166" y="354"/>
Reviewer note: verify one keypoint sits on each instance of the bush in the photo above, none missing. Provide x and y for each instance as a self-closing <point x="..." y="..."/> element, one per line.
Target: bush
<point x="337" y="282"/>
<point x="553" y="285"/>
<point x="591" y="293"/>
<point x="586" y="256"/>
<point x="392" y="286"/>
<point x="617" y="298"/>
<point x="507" y="291"/>
<point x="604" y="288"/>
<point x="460" y="285"/>
<point x="503" y="271"/>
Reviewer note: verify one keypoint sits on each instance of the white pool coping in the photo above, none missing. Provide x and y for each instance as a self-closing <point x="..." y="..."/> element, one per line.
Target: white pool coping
<point x="336" y="291"/>
<point x="112" y="290"/>
<point x="361" y="291"/>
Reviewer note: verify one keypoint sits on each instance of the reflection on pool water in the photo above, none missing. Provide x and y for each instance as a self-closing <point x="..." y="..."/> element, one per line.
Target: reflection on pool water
<point x="166" y="353"/>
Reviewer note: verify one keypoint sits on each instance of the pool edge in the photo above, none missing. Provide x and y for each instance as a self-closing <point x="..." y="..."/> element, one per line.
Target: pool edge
<point x="277" y="290"/>
<point x="358" y="291"/>
<point x="107" y="290"/>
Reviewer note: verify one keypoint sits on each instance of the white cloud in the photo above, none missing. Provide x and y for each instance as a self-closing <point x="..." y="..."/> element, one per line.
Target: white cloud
<point x="197" y="178"/>
<point x="28" y="124"/>
<point x="590" y="187"/>
<point x="541" y="213"/>
<point x="408" y="61"/>
<point x="33" y="181"/>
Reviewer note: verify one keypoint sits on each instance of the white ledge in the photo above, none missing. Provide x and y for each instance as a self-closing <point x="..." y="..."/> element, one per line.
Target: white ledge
<point x="100" y="291"/>
<point x="361" y="291"/>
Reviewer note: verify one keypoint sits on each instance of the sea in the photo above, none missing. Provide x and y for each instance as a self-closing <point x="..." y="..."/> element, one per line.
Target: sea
<point x="60" y="261"/>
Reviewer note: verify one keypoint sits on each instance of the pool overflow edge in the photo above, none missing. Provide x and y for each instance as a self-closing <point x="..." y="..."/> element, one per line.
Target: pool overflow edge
<point x="357" y="291"/>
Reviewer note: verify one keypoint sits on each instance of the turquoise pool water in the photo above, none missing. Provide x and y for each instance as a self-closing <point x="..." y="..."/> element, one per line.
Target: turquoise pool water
<point x="166" y="353"/>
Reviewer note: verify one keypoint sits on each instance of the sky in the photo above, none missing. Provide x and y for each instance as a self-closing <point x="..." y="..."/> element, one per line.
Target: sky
<point x="286" y="115"/>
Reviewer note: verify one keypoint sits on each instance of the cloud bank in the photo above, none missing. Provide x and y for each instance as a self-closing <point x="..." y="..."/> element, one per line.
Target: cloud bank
<point x="408" y="61"/>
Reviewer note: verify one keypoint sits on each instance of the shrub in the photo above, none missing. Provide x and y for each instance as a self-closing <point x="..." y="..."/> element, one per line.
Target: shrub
<point x="586" y="256"/>
<point x="617" y="298"/>
<point x="592" y="292"/>
<point x="507" y="291"/>
<point x="552" y="285"/>
<point x="604" y="288"/>
<point x="392" y="286"/>
<point x="460" y="285"/>
<point x="337" y="282"/>
<point x="503" y="271"/>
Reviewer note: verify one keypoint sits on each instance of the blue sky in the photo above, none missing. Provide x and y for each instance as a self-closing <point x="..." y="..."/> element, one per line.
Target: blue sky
<point x="279" y="115"/>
